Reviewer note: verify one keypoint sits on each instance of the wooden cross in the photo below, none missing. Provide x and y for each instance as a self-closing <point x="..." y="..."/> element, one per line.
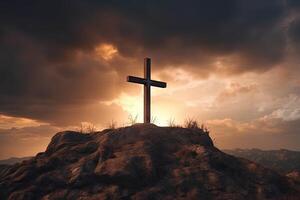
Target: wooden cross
<point x="147" y="82"/>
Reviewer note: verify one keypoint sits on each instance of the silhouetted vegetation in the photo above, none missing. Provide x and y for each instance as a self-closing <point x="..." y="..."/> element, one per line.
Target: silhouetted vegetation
<point x="191" y="123"/>
<point x="153" y="119"/>
<point x="86" y="128"/>
<point x="132" y="119"/>
<point x="112" y="124"/>
<point x="171" y="122"/>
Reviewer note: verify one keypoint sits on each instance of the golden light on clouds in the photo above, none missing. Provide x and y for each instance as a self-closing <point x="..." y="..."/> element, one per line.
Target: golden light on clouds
<point x="17" y="122"/>
<point x="133" y="105"/>
<point x="243" y="87"/>
<point x="106" y="51"/>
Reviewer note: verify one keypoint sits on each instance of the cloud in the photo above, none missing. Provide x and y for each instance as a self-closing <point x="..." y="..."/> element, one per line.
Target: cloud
<point x="294" y="32"/>
<point x="8" y="122"/>
<point x="264" y="133"/>
<point x="234" y="90"/>
<point x="26" y="141"/>
<point x="51" y="51"/>
<point x="32" y="86"/>
<point x="289" y="109"/>
<point x="31" y="131"/>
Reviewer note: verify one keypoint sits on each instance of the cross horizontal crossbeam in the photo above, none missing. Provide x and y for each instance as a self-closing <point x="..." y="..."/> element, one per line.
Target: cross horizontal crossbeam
<point x="134" y="79"/>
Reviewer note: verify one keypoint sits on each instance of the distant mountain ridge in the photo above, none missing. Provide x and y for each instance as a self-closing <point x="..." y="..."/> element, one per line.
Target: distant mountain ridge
<point x="140" y="162"/>
<point x="283" y="161"/>
<point x="13" y="160"/>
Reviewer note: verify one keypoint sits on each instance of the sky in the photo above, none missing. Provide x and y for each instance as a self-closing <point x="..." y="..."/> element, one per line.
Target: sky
<point x="232" y="65"/>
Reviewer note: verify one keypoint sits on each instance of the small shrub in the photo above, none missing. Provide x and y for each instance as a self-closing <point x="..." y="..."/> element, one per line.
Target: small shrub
<point x="172" y="123"/>
<point x="153" y="119"/>
<point x="87" y="127"/>
<point x="91" y="128"/>
<point x="191" y="123"/>
<point x="132" y="119"/>
<point x="205" y="129"/>
<point x="112" y="125"/>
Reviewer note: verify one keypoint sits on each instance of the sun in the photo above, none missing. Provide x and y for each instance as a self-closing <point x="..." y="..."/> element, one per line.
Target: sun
<point x="133" y="105"/>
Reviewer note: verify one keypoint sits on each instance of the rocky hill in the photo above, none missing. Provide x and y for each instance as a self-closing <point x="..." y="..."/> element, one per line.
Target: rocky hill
<point x="140" y="162"/>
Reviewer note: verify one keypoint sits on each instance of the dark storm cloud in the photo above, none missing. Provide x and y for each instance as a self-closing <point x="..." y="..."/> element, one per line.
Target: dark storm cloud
<point x="216" y="27"/>
<point x="190" y="29"/>
<point x="293" y="4"/>
<point x="294" y="32"/>
<point x="40" y="42"/>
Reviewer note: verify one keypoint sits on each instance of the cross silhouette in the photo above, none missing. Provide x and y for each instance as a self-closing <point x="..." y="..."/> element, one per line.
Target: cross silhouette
<point x="147" y="82"/>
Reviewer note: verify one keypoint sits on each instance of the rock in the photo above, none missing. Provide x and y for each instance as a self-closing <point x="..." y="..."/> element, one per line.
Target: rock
<point x="140" y="162"/>
<point x="295" y="175"/>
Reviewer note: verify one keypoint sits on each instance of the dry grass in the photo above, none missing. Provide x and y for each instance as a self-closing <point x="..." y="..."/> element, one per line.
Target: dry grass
<point x="153" y="119"/>
<point x="172" y="123"/>
<point x="112" y="124"/>
<point x="194" y="124"/>
<point x="86" y="128"/>
<point x="132" y="119"/>
<point x="204" y="128"/>
<point x="191" y="123"/>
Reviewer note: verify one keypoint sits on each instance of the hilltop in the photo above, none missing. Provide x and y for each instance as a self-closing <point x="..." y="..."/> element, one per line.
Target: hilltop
<point x="140" y="162"/>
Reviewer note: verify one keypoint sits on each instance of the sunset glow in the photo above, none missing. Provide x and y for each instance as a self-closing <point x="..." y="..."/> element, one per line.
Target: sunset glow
<point x="7" y="122"/>
<point x="232" y="65"/>
<point x="106" y="51"/>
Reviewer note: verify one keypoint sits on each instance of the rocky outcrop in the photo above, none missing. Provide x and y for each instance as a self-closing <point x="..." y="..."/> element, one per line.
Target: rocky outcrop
<point x="295" y="175"/>
<point x="140" y="162"/>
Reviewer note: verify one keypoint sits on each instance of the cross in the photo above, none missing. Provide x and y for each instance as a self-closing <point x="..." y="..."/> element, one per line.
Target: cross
<point x="147" y="82"/>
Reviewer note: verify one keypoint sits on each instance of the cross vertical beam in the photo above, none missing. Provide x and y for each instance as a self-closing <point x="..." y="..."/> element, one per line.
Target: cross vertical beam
<point x="147" y="91"/>
<point x="147" y="82"/>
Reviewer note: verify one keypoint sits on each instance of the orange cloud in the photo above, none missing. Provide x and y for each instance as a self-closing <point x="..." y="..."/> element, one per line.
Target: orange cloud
<point x="235" y="89"/>
<point x="17" y="122"/>
<point x="106" y="51"/>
